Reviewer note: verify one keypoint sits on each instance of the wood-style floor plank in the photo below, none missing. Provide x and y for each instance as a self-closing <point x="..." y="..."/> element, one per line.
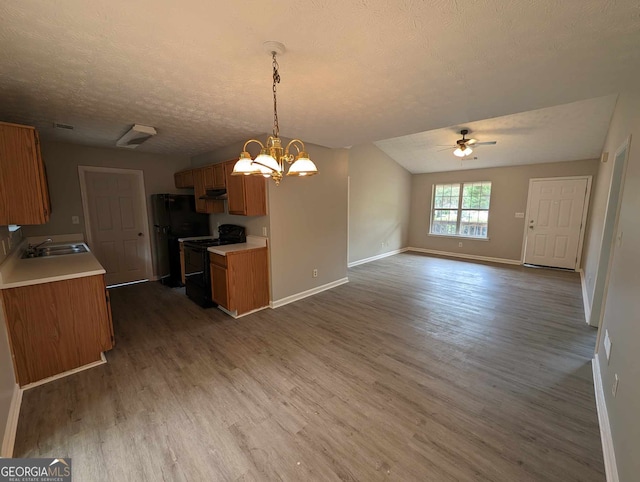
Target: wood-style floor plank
<point x="420" y="368"/>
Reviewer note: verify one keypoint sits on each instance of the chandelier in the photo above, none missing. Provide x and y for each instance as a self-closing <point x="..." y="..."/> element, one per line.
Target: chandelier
<point x="273" y="158"/>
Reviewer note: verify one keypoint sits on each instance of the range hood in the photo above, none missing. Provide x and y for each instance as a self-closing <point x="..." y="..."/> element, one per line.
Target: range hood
<point x="215" y="194"/>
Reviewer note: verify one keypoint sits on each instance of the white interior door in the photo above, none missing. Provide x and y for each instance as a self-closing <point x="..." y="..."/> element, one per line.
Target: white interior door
<point x="554" y="228"/>
<point x="116" y="219"/>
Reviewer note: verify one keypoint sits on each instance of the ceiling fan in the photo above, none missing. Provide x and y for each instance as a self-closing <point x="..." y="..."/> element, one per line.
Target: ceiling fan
<point x="463" y="147"/>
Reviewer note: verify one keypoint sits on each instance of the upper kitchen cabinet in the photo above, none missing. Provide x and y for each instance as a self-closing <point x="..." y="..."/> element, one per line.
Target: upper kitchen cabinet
<point x="24" y="195"/>
<point x="214" y="177"/>
<point x="200" y="187"/>
<point x="183" y="179"/>
<point x="247" y="195"/>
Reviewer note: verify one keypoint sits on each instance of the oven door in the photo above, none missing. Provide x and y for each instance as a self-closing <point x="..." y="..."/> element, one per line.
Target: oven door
<point x="197" y="276"/>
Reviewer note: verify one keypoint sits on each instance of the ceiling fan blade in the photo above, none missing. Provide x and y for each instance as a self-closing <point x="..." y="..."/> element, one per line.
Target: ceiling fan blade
<point x="488" y="143"/>
<point x="446" y="148"/>
<point x="472" y="142"/>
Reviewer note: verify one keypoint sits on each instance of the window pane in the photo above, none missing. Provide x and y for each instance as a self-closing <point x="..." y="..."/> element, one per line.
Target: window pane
<point x="446" y="196"/>
<point x="474" y="223"/>
<point x="444" y="221"/>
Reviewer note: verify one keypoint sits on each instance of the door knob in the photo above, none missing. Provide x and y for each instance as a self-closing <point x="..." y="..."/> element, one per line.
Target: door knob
<point x="140" y="234"/>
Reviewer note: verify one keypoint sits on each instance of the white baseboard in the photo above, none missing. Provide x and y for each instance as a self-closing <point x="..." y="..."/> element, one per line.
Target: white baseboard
<point x="585" y="297"/>
<point x="305" y="294"/>
<point x="96" y="363"/>
<point x="9" y="438"/>
<point x="610" y="467"/>
<point x="466" y="256"/>
<point x="378" y="256"/>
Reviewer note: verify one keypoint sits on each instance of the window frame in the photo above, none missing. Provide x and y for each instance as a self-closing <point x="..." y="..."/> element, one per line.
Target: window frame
<point x="459" y="210"/>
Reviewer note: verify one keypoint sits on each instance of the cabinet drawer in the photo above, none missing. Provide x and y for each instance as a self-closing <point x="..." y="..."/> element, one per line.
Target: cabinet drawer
<point x="218" y="259"/>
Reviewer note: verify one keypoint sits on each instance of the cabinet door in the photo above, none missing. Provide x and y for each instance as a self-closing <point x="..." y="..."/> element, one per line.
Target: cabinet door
<point x="219" y="181"/>
<point x="219" y="286"/>
<point x="24" y="196"/>
<point x="178" y="180"/>
<point x="187" y="178"/>
<point x="235" y="191"/>
<point x="56" y="327"/>
<point x="199" y="190"/>
<point x="255" y="188"/>
<point x="208" y="177"/>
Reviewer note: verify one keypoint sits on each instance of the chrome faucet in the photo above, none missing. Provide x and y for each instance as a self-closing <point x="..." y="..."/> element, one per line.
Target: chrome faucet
<point x="31" y="250"/>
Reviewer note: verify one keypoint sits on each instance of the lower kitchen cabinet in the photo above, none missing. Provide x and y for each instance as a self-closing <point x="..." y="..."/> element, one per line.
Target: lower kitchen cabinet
<point x="58" y="326"/>
<point x="240" y="280"/>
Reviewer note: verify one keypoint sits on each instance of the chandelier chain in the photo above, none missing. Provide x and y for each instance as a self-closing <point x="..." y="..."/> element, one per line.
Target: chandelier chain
<point x="276" y="80"/>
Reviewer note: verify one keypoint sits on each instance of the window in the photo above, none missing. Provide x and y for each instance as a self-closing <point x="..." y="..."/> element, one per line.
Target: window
<point x="461" y="209"/>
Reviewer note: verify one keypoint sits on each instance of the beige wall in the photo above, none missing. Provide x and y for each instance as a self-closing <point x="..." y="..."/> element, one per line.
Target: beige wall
<point x="622" y="309"/>
<point x="379" y="203"/>
<point x="62" y="161"/>
<point x="509" y="190"/>
<point x="306" y="221"/>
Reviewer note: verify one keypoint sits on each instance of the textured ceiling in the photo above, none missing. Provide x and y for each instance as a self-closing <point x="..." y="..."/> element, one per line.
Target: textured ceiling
<point x="567" y="132"/>
<point x="354" y="71"/>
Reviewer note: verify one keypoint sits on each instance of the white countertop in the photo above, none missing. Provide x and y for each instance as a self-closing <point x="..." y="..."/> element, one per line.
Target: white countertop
<point x="16" y="272"/>
<point x="253" y="242"/>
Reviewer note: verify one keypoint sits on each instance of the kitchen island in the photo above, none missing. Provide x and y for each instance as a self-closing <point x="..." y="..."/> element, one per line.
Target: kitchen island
<point x="57" y="312"/>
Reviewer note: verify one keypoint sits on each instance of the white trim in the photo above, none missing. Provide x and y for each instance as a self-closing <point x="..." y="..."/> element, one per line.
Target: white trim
<point x="9" y="439"/>
<point x="455" y="236"/>
<point x="307" y="293"/>
<point x="118" y="285"/>
<point x="235" y="315"/>
<point x="585" y="211"/>
<point x="466" y="256"/>
<point x="143" y="203"/>
<point x="376" y="257"/>
<point x="608" y="453"/>
<point x="585" y="296"/>
<point x="73" y="371"/>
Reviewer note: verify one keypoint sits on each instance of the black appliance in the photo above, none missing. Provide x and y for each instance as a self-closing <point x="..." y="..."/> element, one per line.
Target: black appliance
<point x="174" y="217"/>
<point x="196" y="262"/>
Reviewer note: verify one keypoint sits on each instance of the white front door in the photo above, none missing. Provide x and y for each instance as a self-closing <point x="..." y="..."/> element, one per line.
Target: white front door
<point x="114" y="201"/>
<point x="554" y="227"/>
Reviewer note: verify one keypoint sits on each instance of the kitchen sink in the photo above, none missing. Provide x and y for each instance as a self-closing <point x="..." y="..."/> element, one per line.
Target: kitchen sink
<point x="57" y="250"/>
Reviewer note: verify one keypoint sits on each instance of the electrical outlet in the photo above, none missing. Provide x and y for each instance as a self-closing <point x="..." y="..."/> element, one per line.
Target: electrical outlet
<point x="614" y="389"/>
<point x="315" y="273"/>
<point x="264" y="231"/>
<point x="460" y="244"/>
<point x="607" y="344"/>
<point x="75" y="219"/>
<point x="519" y="215"/>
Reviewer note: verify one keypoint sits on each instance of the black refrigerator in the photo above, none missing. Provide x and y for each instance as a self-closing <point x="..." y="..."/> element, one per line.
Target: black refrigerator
<point x="174" y="217"/>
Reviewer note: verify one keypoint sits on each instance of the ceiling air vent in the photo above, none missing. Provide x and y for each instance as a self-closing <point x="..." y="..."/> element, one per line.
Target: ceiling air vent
<point x="136" y="136"/>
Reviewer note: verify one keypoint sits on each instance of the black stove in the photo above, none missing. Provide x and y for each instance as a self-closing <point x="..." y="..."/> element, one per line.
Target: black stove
<point x="196" y="262"/>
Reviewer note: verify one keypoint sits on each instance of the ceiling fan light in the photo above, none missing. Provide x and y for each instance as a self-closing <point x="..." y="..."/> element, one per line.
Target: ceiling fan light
<point x="460" y="152"/>
<point x="303" y="166"/>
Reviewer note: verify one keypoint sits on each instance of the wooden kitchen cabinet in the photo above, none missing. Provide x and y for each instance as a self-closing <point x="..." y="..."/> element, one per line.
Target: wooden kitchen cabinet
<point x="58" y="326"/>
<point x="214" y="177"/>
<point x="182" y="270"/>
<point x="183" y="179"/>
<point x="24" y="194"/>
<point x="247" y="195"/>
<point x="240" y="280"/>
<point x="200" y="189"/>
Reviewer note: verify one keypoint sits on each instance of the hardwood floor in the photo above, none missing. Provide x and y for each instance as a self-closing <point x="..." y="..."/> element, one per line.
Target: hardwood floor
<point x="420" y="368"/>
